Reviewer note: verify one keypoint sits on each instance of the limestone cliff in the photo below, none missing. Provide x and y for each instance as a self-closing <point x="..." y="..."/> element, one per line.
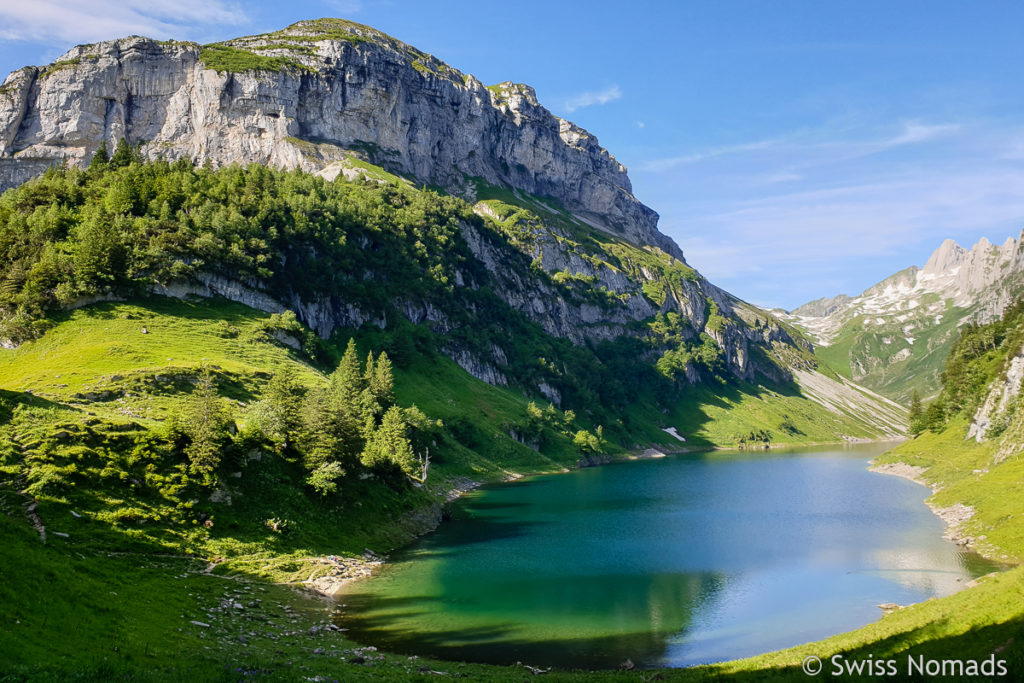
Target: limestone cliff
<point x="322" y="95"/>
<point x="304" y="97"/>
<point x="344" y="101"/>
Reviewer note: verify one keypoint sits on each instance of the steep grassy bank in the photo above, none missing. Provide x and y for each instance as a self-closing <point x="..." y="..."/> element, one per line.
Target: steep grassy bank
<point x="884" y="359"/>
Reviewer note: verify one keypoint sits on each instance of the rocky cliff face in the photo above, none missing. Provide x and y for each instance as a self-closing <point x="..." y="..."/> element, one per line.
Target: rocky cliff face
<point x="895" y="335"/>
<point x="322" y="95"/>
<point x="345" y="101"/>
<point x="305" y="97"/>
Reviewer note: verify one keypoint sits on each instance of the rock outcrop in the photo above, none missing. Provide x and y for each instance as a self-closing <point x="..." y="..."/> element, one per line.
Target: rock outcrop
<point x="999" y="402"/>
<point x="306" y="97"/>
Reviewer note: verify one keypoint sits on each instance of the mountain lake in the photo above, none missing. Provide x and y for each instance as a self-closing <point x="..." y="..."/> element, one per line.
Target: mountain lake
<point x="683" y="560"/>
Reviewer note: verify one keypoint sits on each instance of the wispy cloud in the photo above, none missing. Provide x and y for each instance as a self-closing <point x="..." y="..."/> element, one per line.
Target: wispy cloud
<point x="915" y="131"/>
<point x="71" y="21"/>
<point x="590" y="98"/>
<point x="804" y="143"/>
<point x="783" y="177"/>
<point x="810" y="214"/>
<point x="668" y="163"/>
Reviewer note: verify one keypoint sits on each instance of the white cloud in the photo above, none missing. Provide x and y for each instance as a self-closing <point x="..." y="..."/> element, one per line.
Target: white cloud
<point x="640" y="124"/>
<point x="813" y="147"/>
<point x="587" y="99"/>
<point x="668" y="163"/>
<point x="71" y="21"/>
<point x="915" y="131"/>
<point x="813" y="236"/>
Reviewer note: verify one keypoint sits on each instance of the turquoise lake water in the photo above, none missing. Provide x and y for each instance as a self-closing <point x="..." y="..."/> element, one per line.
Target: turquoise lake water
<point x="684" y="560"/>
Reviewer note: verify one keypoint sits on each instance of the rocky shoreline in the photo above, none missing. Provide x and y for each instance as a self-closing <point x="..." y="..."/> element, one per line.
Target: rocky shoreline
<point x="955" y="516"/>
<point x="331" y="573"/>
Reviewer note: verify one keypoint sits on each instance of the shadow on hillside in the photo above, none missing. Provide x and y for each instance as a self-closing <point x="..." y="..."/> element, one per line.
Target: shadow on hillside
<point x="1003" y="641"/>
<point x="691" y="414"/>
<point x="10" y="399"/>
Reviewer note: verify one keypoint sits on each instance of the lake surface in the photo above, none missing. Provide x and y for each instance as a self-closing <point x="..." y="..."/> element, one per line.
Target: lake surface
<point x="672" y="562"/>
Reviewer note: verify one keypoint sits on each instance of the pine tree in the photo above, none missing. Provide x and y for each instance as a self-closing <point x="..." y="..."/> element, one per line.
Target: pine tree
<point x="382" y="383"/>
<point x="388" y="446"/>
<point x="205" y="420"/>
<point x="368" y="373"/>
<point x="346" y="389"/>
<point x="283" y="397"/>
<point x="123" y="155"/>
<point x="347" y="379"/>
<point x="101" y="158"/>
<point x="916" y="414"/>
<point x="320" y="430"/>
<point x="370" y="408"/>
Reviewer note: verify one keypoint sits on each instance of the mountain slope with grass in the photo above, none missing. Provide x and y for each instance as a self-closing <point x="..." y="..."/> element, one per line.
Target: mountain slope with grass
<point x="224" y="378"/>
<point x="149" y="422"/>
<point x="895" y="336"/>
<point x="101" y="616"/>
<point x="969" y="449"/>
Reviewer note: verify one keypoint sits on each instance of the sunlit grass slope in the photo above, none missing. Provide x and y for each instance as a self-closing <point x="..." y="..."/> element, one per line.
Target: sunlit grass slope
<point x="108" y="599"/>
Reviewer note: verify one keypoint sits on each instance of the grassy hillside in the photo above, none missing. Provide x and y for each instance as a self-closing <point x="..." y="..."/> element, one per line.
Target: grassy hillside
<point x="80" y="400"/>
<point x="884" y="359"/>
<point x="983" y="480"/>
<point x="210" y="453"/>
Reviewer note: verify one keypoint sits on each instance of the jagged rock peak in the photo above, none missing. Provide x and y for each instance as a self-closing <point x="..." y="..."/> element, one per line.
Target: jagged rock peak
<point x="948" y="256"/>
<point x="307" y="96"/>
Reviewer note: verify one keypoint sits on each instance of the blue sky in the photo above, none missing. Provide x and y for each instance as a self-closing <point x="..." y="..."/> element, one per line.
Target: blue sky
<point x="793" y="149"/>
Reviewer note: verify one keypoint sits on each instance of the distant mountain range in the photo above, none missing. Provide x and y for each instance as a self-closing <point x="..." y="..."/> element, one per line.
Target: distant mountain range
<point x="894" y="337"/>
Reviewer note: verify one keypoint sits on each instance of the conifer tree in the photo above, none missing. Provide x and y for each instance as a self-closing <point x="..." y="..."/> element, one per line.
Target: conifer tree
<point x="388" y="445"/>
<point x="101" y="158"/>
<point x="382" y="383"/>
<point x="320" y="429"/>
<point x="370" y="407"/>
<point x="346" y="389"/>
<point x="205" y="421"/>
<point x="347" y="379"/>
<point x="368" y="373"/>
<point x="123" y="155"/>
<point x="283" y="397"/>
<point x="916" y="414"/>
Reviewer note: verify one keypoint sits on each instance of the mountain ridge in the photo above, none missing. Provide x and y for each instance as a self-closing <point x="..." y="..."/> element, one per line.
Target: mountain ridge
<point x="308" y="96"/>
<point x="339" y="99"/>
<point x="886" y="335"/>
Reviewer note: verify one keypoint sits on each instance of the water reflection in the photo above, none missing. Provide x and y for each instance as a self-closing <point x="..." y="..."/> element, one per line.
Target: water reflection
<point x="576" y="620"/>
<point x="671" y="562"/>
